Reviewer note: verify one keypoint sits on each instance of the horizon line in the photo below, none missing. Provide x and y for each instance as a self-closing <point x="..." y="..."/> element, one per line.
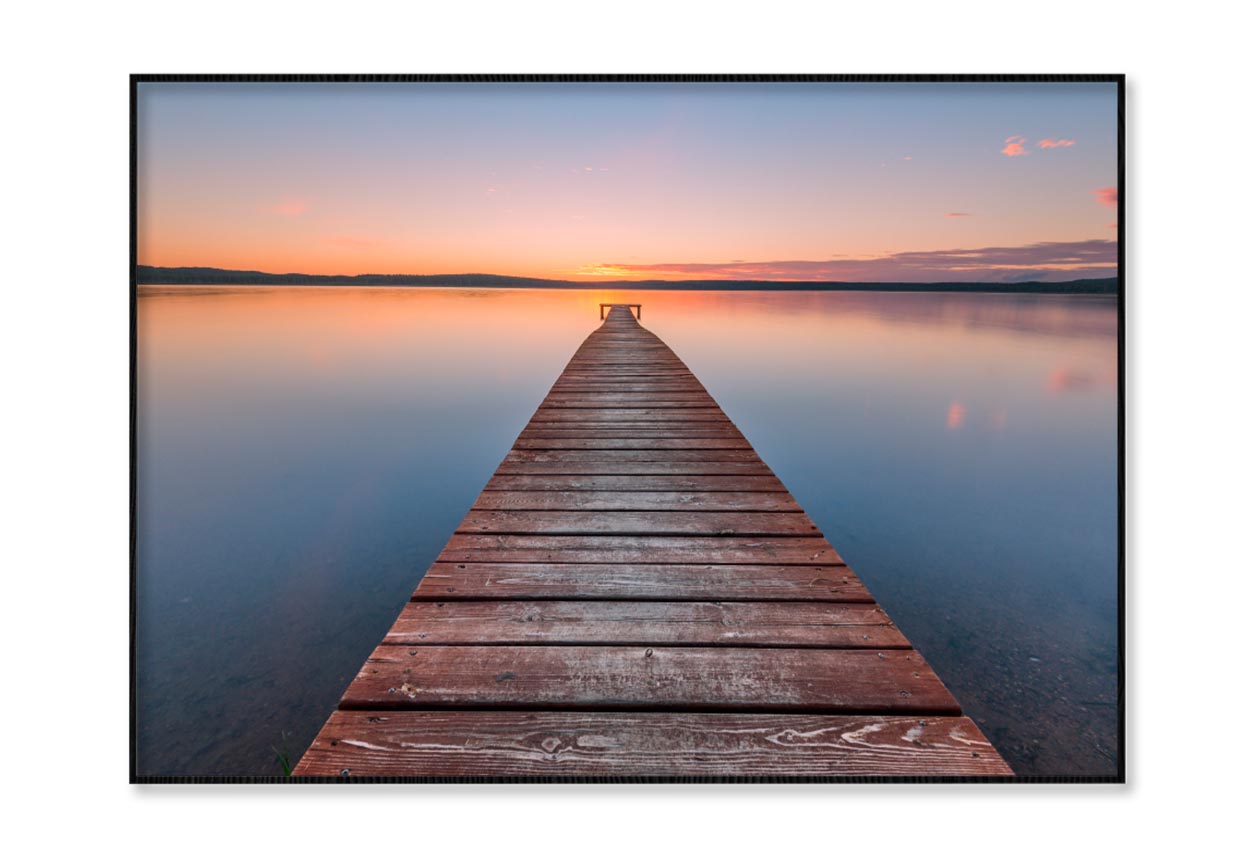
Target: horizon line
<point x="609" y="284"/>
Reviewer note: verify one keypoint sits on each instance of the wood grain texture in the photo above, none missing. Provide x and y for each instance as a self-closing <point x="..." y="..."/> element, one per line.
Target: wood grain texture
<point x="493" y="743"/>
<point x="603" y="501"/>
<point x="634" y="483"/>
<point x="631" y="468"/>
<point x="712" y="679"/>
<point x="613" y="458"/>
<point x="490" y="548"/>
<point x="551" y="442"/>
<point x="629" y="416"/>
<point x="634" y="523"/>
<point x="635" y="594"/>
<point x="631" y="402"/>
<point x="625" y="623"/>
<point x="631" y="431"/>
<point x="628" y="386"/>
<point x="578" y="370"/>
<point x="674" y="582"/>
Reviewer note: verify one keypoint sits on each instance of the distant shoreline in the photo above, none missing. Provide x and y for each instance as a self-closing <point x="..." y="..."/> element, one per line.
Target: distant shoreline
<point x="209" y="276"/>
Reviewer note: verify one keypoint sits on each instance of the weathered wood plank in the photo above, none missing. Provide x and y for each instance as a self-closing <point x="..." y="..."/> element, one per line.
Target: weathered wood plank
<point x="605" y="361"/>
<point x="714" y="550"/>
<point x="848" y="681"/>
<point x="637" y="375"/>
<point x="653" y="467"/>
<point x="660" y="623"/>
<point x="495" y="743"/>
<point x="630" y="388"/>
<point x="619" y="379"/>
<point x="633" y="552"/>
<point x="626" y="354"/>
<point x="647" y="368"/>
<point x="624" y="383"/>
<point x="645" y="443"/>
<point x="652" y="385"/>
<point x="627" y="398"/>
<point x="653" y="415"/>
<point x="589" y="372"/>
<point x="625" y="378"/>
<point x="637" y="523"/>
<point x="651" y="454"/>
<point x="672" y="582"/>
<point x="766" y="482"/>
<point x="632" y="373"/>
<point x="660" y="391"/>
<point x="595" y="430"/>
<point x="634" y="428"/>
<point x="636" y="402"/>
<point x="620" y="501"/>
<point x="639" y="412"/>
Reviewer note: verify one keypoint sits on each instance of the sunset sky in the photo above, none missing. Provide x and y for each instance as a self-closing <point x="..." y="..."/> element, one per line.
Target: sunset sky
<point x="614" y="182"/>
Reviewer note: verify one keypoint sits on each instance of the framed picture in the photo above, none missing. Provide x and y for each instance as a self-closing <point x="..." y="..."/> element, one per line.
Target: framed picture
<point x="631" y="429"/>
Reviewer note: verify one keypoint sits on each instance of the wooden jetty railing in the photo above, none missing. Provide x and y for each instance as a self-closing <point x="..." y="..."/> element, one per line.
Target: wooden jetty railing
<point x="635" y="594"/>
<point x="639" y="309"/>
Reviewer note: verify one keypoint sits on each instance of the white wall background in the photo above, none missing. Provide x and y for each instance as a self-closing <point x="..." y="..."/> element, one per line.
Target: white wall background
<point x="64" y="205"/>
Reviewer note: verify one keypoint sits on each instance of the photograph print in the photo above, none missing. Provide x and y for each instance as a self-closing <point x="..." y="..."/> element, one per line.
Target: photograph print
<point x="647" y="429"/>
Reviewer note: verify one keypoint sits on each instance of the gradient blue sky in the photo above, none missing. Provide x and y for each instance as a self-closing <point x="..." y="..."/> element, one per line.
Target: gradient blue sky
<point x="889" y="182"/>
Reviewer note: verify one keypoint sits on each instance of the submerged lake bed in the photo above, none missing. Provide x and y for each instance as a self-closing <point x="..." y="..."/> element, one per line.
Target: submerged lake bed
<point x="304" y="453"/>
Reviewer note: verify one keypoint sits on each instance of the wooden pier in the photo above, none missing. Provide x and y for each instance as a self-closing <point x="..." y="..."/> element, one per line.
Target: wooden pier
<point x="636" y="595"/>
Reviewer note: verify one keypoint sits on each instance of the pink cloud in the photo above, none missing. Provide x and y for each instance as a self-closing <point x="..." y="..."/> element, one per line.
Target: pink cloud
<point x="287" y="207"/>
<point x="1107" y="196"/>
<point x="1034" y="262"/>
<point x="1055" y="143"/>
<point x="955" y="215"/>
<point x="1015" y="146"/>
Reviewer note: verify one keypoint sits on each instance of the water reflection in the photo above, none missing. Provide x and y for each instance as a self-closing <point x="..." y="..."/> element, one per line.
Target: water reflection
<point x="304" y="453"/>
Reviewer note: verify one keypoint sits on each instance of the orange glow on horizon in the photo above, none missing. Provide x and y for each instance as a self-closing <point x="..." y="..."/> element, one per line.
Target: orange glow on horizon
<point x="324" y="260"/>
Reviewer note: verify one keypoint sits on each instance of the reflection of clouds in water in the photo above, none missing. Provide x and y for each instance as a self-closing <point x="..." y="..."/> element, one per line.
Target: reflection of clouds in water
<point x="148" y="290"/>
<point x="285" y="486"/>
<point x="485" y="293"/>
<point x="318" y="357"/>
<point x="1052" y="315"/>
<point x="959" y="414"/>
<point x="956" y="415"/>
<point x="1067" y="379"/>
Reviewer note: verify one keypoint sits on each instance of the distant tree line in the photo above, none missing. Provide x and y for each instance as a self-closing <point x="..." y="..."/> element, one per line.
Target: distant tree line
<point x="211" y="275"/>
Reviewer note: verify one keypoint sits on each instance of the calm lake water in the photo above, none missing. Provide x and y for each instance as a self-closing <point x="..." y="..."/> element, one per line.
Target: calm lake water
<point x="304" y="454"/>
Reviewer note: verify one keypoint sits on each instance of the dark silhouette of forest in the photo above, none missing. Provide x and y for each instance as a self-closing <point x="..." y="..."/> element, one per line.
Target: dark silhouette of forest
<point x="211" y="276"/>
